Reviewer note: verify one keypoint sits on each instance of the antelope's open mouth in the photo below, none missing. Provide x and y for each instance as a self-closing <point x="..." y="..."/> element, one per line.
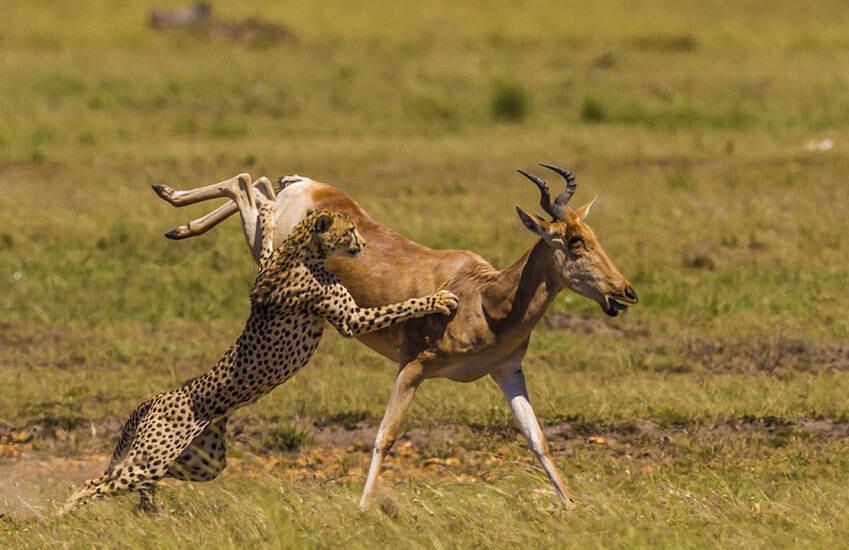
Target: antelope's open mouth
<point x="612" y="306"/>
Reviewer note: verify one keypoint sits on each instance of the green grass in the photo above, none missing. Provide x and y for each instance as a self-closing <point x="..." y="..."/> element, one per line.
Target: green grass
<point x="689" y="120"/>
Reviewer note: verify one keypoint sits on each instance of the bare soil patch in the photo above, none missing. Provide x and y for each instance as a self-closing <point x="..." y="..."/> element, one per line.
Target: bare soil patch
<point x="581" y="324"/>
<point x="31" y="484"/>
<point x="777" y="356"/>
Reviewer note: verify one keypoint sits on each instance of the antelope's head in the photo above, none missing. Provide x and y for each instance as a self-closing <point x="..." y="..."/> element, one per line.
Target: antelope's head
<point x="579" y="261"/>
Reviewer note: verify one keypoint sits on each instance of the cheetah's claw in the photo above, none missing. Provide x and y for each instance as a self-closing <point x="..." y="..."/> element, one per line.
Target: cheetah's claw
<point x="445" y="302"/>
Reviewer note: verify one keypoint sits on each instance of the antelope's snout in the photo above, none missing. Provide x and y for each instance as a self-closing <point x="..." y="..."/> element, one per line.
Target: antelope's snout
<point x="630" y="295"/>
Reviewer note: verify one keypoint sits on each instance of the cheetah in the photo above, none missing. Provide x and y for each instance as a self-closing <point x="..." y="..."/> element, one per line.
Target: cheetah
<point x="182" y="433"/>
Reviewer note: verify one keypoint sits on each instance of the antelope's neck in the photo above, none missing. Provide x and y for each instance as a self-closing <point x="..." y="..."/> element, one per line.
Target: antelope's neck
<point x="518" y="296"/>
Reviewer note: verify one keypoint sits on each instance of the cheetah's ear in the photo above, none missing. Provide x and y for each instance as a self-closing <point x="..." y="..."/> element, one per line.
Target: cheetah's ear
<point x="322" y="223"/>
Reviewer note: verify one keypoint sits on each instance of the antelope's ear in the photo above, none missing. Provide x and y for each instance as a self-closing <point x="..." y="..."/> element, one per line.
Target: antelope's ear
<point x="534" y="223"/>
<point x="322" y="223"/>
<point x="584" y="211"/>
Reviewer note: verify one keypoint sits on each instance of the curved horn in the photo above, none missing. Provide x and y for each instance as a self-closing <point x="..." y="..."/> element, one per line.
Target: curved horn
<point x="561" y="199"/>
<point x="553" y="210"/>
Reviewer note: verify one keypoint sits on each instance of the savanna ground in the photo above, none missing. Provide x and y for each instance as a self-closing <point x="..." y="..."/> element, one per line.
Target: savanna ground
<point x="714" y="413"/>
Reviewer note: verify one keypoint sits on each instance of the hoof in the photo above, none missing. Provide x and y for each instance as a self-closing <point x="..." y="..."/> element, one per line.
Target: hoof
<point x="163" y="191"/>
<point x="179" y="233"/>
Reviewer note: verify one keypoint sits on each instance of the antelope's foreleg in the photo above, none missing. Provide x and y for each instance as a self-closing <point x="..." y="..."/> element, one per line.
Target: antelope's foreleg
<point x="512" y="384"/>
<point x="408" y="380"/>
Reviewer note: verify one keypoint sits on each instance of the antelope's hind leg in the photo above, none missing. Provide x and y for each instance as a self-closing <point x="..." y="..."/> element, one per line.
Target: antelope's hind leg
<point x="240" y="191"/>
<point x="218" y="190"/>
<point x="201" y="225"/>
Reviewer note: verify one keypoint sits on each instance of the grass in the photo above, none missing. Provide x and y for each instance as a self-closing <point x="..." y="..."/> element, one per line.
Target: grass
<point x="286" y="438"/>
<point x="712" y="414"/>
<point x="510" y="102"/>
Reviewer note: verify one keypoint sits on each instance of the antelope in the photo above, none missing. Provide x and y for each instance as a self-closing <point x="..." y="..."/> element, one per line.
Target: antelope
<point x="489" y="332"/>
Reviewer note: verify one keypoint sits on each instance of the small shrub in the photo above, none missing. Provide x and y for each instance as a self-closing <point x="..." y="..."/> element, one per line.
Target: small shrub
<point x="698" y="260"/>
<point x="681" y="178"/>
<point x="593" y="111"/>
<point x="510" y="102"/>
<point x="286" y="438"/>
<point x="605" y="61"/>
<point x="37" y="156"/>
<point x="671" y="43"/>
<point x="87" y="138"/>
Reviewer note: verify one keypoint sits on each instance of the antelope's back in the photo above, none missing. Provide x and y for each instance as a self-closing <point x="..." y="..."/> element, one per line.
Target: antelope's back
<point x="390" y="269"/>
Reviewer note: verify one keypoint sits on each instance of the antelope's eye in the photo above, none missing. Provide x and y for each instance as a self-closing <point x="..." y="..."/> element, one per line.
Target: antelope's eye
<point x="576" y="242"/>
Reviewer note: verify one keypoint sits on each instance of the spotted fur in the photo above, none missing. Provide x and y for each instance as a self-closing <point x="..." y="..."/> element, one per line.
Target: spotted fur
<point x="182" y="433"/>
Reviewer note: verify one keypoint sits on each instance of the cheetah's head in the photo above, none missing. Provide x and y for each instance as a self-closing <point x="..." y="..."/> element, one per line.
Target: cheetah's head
<point x="336" y="234"/>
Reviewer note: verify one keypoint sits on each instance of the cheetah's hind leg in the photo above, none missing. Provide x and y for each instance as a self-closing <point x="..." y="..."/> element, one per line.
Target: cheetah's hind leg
<point x="206" y="457"/>
<point x="164" y="431"/>
<point x="89" y="491"/>
<point x="147" y="500"/>
<point x="130" y="474"/>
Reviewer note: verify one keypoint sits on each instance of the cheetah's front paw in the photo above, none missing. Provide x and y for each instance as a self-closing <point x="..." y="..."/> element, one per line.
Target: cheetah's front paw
<point x="445" y="302"/>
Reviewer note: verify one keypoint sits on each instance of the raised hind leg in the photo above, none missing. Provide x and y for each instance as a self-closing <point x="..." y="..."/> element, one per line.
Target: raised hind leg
<point x="219" y="190"/>
<point x="201" y="225"/>
<point x="239" y="189"/>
